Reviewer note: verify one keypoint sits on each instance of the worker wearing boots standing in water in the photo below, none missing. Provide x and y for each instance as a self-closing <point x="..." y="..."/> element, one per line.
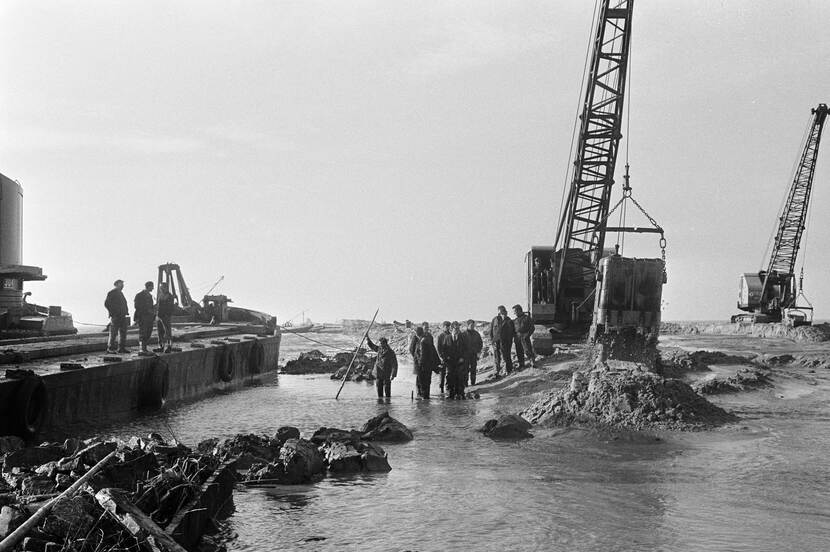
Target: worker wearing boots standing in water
<point x="444" y="347"/>
<point x="502" y="333"/>
<point x="524" y="331"/>
<point x="474" y="347"/>
<point x="166" y="306"/>
<point x="386" y="366"/>
<point x="144" y="315"/>
<point x="457" y="372"/>
<point x="119" y="313"/>
<point x="428" y="361"/>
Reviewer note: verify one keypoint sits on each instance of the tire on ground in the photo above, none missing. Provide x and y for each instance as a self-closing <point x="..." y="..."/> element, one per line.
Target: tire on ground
<point x="154" y="388"/>
<point x="30" y="406"/>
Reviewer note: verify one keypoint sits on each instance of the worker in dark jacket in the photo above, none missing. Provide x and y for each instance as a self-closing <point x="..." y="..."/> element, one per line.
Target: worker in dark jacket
<point x="474" y="347"/>
<point x="443" y="344"/>
<point x="166" y="307"/>
<point x="524" y="331"/>
<point x="386" y="366"/>
<point x="457" y="364"/>
<point x="502" y="333"/>
<point x="116" y="305"/>
<point x="427" y="362"/>
<point x="144" y="315"/>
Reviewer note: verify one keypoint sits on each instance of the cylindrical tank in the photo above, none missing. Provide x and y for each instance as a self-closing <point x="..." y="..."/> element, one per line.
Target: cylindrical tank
<point x="11" y="222"/>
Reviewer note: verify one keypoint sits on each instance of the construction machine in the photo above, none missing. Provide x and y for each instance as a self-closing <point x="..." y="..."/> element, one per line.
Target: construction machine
<point x="771" y="294"/>
<point x="578" y="284"/>
<point x="214" y="309"/>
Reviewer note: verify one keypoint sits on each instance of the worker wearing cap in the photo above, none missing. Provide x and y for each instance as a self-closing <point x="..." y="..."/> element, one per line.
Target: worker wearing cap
<point x="444" y="347"/>
<point x="386" y="366"/>
<point x="502" y="332"/>
<point x="119" y="313"/>
<point x="524" y="331"/>
<point x="473" y="348"/>
<point x="144" y="315"/>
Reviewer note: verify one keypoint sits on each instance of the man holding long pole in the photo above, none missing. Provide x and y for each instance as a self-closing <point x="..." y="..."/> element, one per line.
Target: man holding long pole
<point x="386" y="366"/>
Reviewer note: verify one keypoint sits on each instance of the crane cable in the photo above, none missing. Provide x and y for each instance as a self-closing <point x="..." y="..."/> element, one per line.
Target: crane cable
<point x="571" y="154"/>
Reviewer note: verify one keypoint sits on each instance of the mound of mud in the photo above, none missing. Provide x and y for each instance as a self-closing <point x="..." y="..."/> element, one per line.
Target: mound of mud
<point x="674" y="363"/>
<point x="743" y="380"/>
<point x="802" y="334"/>
<point x="629" y="399"/>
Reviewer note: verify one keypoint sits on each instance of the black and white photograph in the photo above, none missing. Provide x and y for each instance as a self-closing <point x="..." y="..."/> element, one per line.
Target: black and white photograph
<point x="414" y="276"/>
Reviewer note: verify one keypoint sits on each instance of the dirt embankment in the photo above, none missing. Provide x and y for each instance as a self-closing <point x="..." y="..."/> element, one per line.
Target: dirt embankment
<point x="802" y="334"/>
<point x="627" y="397"/>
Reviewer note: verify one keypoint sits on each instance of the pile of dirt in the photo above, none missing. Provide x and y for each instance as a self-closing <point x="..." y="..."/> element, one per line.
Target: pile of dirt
<point x="628" y="398"/>
<point x="743" y="380"/>
<point x="672" y="362"/>
<point x="802" y="334"/>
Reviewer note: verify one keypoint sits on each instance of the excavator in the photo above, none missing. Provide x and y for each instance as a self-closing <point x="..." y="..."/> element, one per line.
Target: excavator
<point x="214" y="309"/>
<point x="578" y="285"/>
<point x="771" y="294"/>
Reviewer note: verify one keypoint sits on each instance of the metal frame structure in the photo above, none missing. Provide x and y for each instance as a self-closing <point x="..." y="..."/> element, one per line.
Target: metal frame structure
<point x="582" y="225"/>
<point x="794" y="216"/>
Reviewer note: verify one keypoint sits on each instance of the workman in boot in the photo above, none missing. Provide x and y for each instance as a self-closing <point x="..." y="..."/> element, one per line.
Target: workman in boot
<point x="144" y="315"/>
<point x="386" y="366"/>
<point x="474" y="345"/>
<point x="119" y="313"/>
<point x="166" y="307"/>
<point x="457" y="368"/>
<point x="502" y="333"/>
<point x="524" y="331"/>
<point x="426" y="361"/>
<point x="444" y="347"/>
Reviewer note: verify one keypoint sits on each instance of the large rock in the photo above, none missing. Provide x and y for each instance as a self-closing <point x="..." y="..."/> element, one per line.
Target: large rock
<point x="97" y="452"/>
<point x="10" y="519"/>
<point x="301" y="460"/>
<point x="510" y="426"/>
<point x="10" y="443"/>
<point x="343" y="458"/>
<point x="384" y="427"/>
<point x="33" y="456"/>
<point x="69" y="517"/>
<point x="285" y="433"/>
<point x="333" y="435"/>
<point x="312" y="362"/>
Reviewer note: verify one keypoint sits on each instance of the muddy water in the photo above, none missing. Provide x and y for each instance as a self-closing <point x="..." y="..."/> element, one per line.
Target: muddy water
<point x="762" y="486"/>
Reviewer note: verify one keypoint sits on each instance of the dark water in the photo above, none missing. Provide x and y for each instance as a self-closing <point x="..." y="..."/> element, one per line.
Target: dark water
<point x="765" y="487"/>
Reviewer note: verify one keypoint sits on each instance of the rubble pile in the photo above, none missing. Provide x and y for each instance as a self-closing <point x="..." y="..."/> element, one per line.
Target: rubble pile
<point x="135" y="501"/>
<point x="743" y="380"/>
<point x="315" y="362"/>
<point x="289" y="459"/>
<point x="628" y="398"/>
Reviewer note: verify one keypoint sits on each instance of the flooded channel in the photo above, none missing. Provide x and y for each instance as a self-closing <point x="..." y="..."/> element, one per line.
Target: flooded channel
<point x="762" y="486"/>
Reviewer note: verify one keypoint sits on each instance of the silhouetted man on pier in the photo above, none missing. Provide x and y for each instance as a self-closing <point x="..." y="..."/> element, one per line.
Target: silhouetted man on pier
<point x="166" y="307"/>
<point x="144" y="315"/>
<point x="119" y="313"/>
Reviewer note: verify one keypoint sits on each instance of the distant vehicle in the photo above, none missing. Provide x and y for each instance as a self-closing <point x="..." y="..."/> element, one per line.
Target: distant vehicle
<point x="771" y="295"/>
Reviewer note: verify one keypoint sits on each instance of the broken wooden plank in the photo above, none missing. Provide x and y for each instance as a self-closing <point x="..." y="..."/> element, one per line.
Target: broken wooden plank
<point x="139" y="524"/>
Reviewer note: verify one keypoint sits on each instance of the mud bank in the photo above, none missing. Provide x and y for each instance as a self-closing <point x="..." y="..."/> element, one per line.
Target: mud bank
<point x="803" y="334"/>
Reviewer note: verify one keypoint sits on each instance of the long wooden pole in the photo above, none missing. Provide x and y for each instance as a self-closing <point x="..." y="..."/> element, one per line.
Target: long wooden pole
<point x="17" y="535"/>
<point x="349" y="369"/>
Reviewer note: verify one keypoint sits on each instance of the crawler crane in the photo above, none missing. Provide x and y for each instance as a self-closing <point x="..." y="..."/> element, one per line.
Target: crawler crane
<point x="577" y="283"/>
<point x="771" y="295"/>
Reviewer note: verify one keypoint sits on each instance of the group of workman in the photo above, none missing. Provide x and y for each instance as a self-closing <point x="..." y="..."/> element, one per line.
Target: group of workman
<point x="145" y="314"/>
<point x="454" y="354"/>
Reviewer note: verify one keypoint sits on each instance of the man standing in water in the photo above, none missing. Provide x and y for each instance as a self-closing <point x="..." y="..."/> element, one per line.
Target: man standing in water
<point x="386" y="366"/>
<point x="145" y="314"/>
<point x="474" y="347"/>
<point x="502" y="333"/>
<point x="166" y="306"/>
<point x="116" y="305"/>
<point x="426" y="362"/>
<point x="457" y="369"/>
<point x="444" y="347"/>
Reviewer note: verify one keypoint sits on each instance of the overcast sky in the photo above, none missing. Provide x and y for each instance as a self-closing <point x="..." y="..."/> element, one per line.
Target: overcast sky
<point x="339" y="156"/>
